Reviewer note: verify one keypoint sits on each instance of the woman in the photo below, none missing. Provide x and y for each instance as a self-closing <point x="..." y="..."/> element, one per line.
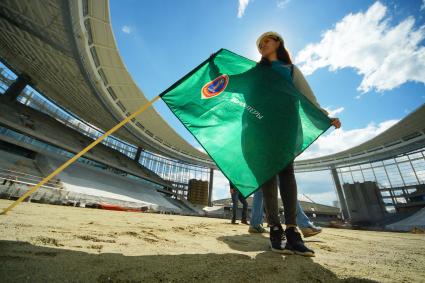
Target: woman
<point x="307" y="227"/>
<point x="274" y="54"/>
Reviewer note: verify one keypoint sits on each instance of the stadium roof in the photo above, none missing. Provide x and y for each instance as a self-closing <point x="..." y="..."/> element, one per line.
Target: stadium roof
<point x="405" y="136"/>
<point x="68" y="50"/>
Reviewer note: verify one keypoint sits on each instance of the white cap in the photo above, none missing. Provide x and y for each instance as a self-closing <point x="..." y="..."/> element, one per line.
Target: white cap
<point x="269" y="33"/>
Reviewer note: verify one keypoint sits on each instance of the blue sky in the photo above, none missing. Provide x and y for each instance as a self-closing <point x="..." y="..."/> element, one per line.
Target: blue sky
<point x="364" y="60"/>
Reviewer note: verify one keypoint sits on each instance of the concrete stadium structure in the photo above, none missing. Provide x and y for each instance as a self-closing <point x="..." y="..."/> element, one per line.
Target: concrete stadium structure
<point x="393" y="160"/>
<point x="64" y="83"/>
<point x="67" y="49"/>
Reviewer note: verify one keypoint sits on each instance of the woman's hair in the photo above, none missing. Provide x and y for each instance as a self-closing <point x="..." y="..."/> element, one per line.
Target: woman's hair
<point x="282" y="54"/>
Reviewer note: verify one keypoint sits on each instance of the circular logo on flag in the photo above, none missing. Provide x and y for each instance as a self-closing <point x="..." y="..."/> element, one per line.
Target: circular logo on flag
<point x="214" y="87"/>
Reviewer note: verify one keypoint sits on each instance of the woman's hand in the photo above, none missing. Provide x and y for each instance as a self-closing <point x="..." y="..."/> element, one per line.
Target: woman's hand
<point x="336" y="123"/>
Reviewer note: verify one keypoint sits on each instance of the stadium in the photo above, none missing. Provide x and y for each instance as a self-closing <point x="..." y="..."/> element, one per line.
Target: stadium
<point x="63" y="84"/>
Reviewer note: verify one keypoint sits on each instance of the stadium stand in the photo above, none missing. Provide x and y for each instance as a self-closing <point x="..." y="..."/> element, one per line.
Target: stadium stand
<point x="38" y="125"/>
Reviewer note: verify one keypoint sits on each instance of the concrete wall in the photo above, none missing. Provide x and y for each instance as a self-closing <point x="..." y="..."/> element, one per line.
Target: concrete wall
<point x="364" y="202"/>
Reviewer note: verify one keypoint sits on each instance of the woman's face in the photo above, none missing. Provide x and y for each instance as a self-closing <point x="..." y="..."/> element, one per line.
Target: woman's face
<point x="268" y="46"/>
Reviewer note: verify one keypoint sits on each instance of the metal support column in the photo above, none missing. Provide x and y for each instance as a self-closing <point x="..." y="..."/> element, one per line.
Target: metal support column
<point x="17" y="87"/>
<point x="138" y="153"/>
<point x="341" y="198"/>
<point x="210" y="187"/>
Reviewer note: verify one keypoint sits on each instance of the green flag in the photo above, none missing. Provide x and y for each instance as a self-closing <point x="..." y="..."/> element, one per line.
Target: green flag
<point x="249" y="119"/>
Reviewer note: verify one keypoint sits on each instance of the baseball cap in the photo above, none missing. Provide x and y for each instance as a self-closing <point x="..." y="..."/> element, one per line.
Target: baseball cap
<point x="271" y="34"/>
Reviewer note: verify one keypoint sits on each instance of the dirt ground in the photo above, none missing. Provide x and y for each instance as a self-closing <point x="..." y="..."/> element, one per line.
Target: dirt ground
<point x="46" y="243"/>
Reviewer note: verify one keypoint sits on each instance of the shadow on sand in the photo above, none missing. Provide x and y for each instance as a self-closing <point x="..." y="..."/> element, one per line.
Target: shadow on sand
<point x="291" y="268"/>
<point x="24" y="262"/>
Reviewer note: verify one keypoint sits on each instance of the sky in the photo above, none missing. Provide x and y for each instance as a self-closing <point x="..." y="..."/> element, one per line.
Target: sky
<point x="364" y="60"/>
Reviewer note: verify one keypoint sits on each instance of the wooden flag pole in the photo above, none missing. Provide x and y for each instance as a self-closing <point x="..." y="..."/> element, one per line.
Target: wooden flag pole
<point x="81" y="153"/>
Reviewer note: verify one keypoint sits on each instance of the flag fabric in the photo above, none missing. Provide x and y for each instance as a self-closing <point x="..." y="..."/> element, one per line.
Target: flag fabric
<point x="249" y="119"/>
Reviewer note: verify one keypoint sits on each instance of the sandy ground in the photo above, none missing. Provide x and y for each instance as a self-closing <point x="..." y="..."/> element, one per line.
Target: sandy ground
<point x="46" y="243"/>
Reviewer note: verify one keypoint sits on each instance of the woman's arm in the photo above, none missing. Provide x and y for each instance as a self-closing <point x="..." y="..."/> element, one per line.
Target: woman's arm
<point x="303" y="87"/>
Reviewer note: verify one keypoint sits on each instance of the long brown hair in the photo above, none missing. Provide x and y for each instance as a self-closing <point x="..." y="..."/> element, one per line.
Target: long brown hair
<point x="282" y="54"/>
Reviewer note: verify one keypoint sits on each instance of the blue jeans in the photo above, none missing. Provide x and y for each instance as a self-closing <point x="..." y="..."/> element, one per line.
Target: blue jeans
<point x="236" y="196"/>
<point x="302" y="220"/>
<point x="257" y="212"/>
<point x="257" y="209"/>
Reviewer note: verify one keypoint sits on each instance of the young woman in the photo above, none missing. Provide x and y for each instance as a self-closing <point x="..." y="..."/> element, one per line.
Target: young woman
<point x="274" y="54"/>
<point x="307" y="227"/>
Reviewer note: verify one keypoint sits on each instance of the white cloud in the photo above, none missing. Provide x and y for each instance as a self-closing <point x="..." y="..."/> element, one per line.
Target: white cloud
<point x="317" y="185"/>
<point x="220" y="186"/>
<point x="334" y="112"/>
<point x="314" y="182"/>
<point x="242" y="6"/>
<point x="326" y="198"/>
<point x="126" y="29"/>
<point x="282" y="3"/>
<point x="303" y="197"/>
<point x="201" y="149"/>
<point x="385" y="56"/>
<point x="339" y="140"/>
<point x="423" y="5"/>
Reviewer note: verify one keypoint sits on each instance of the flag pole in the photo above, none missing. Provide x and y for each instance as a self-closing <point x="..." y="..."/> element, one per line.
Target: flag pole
<point x="78" y="155"/>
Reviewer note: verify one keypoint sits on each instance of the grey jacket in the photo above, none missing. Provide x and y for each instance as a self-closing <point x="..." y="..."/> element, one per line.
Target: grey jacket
<point x="302" y="85"/>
